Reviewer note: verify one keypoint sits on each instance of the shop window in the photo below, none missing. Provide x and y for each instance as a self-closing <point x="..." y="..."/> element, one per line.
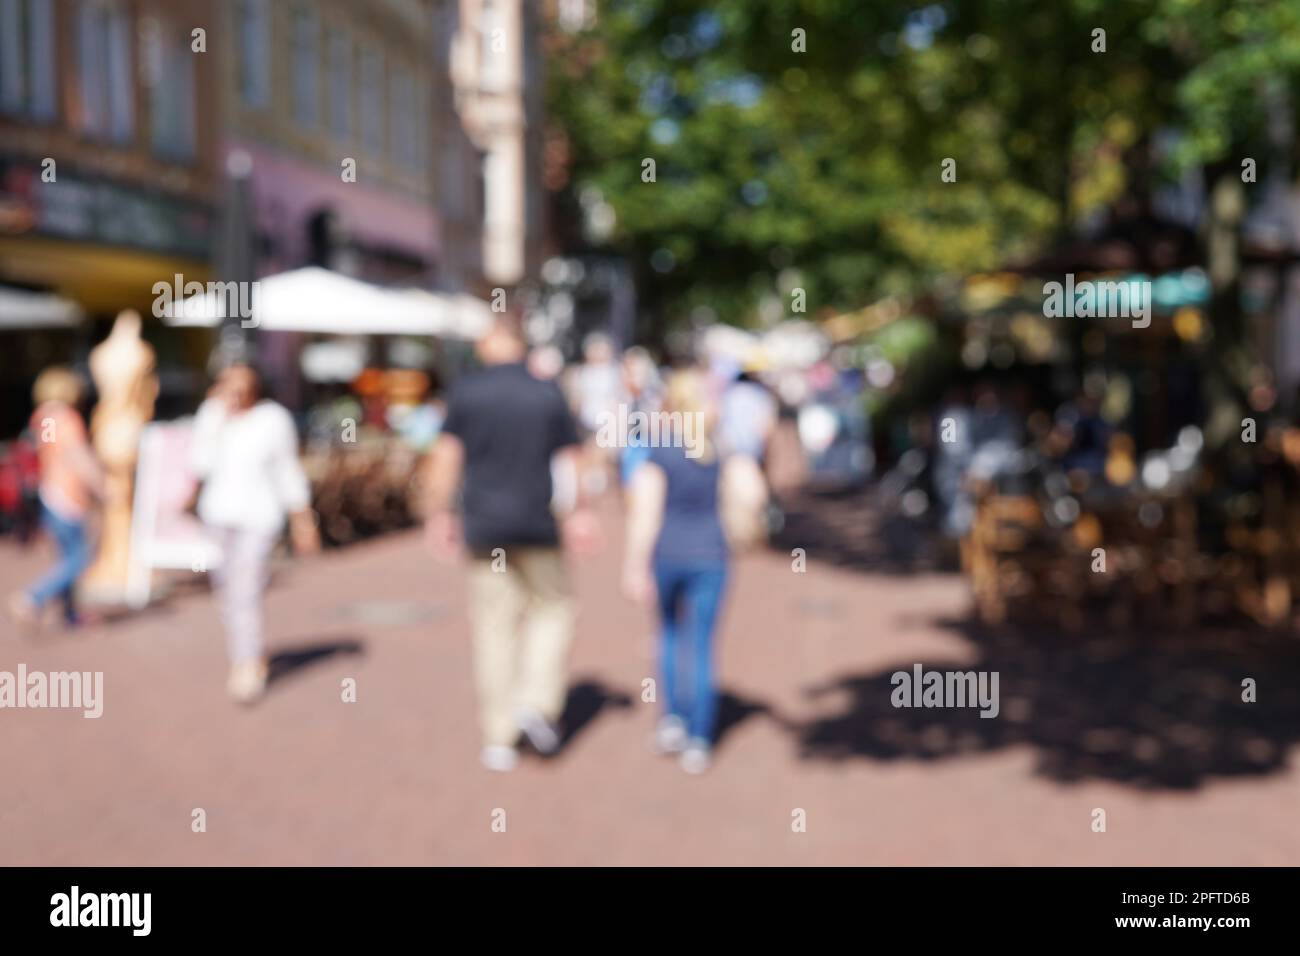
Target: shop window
<point x="120" y="75"/>
<point x="306" y="59"/>
<point x="13" y="58"/>
<point x="404" y="120"/>
<point x="254" y="53"/>
<point x="173" y="104"/>
<point x="340" y="86"/>
<point x="106" y="75"/>
<point x="28" y="87"/>
<point x="43" y="89"/>
<point x="372" y="99"/>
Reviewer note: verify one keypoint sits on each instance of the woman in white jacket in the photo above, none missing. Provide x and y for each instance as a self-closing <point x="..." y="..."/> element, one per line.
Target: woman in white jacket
<point x="245" y="450"/>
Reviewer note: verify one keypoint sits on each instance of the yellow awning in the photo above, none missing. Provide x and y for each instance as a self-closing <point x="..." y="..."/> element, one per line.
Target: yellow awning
<point x="102" y="279"/>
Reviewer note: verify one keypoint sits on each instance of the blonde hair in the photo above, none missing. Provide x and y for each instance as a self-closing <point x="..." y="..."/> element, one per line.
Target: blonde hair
<point x="687" y="392"/>
<point x="58" y="383"/>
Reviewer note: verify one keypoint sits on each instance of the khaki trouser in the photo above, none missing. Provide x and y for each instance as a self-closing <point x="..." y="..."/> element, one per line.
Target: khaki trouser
<point x="523" y="623"/>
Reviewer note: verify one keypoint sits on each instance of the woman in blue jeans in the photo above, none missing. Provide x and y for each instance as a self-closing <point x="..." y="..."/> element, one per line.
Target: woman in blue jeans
<point x="70" y="479"/>
<point x="60" y="581"/>
<point x="677" y="556"/>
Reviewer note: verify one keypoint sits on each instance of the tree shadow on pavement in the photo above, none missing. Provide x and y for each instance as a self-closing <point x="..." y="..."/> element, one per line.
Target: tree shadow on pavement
<point x="852" y="530"/>
<point x="1154" y="710"/>
<point x="287" y="660"/>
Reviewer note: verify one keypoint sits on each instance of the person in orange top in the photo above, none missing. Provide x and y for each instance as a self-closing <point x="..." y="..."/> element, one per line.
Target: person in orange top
<point x="70" y="479"/>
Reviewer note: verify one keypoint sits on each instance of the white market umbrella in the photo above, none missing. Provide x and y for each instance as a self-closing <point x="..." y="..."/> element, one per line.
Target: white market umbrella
<point x="20" y="309"/>
<point x="461" y="315"/>
<point x="313" y="300"/>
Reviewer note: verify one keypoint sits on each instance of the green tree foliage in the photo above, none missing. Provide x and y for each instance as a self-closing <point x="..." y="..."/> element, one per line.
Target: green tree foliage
<point x="822" y="169"/>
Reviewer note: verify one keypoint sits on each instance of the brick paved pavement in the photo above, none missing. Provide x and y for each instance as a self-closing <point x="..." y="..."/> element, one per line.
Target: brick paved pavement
<point x="1150" y="730"/>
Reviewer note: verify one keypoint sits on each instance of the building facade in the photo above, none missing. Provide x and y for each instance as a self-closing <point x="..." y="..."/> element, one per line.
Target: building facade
<point x="106" y="165"/>
<point x="497" y="88"/>
<point x="331" y="102"/>
<point x="458" y="166"/>
<point x="398" y="141"/>
<point x="106" y="168"/>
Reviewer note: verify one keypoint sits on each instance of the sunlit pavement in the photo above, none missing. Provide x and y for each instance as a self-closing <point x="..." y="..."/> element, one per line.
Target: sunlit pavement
<point x="306" y="778"/>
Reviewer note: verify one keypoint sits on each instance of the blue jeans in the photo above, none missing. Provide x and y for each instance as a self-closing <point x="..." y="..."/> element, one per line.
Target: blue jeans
<point x="689" y="596"/>
<point x="74" y="555"/>
<point x="634" y="456"/>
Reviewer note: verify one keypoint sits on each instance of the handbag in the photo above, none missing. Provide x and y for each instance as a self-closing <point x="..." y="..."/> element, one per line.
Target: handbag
<point x="742" y="502"/>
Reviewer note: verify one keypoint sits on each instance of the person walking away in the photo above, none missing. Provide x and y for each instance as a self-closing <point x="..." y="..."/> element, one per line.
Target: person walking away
<point x="678" y="556"/>
<point x="747" y="416"/>
<point x="70" y="477"/>
<point x="954" y="447"/>
<point x="642" y="387"/>
<point x="502" y="430"/>
<point x="598" y="390"/>
<point x="245" y="451"/>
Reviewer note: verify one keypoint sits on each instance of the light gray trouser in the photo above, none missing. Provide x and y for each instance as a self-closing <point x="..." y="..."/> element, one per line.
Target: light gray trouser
<point x="240" y="581"/>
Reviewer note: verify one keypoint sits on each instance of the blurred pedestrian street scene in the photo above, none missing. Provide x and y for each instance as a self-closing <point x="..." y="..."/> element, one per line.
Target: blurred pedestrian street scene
<point x="582" y="432"/>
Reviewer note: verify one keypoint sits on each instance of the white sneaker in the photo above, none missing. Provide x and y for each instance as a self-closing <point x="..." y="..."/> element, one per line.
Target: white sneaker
<point x="499" y="759"/>
<point x="23" y="610"/>
<point x="247" y="681"/>
<point x="541" y="733"/>
<point x="696" y="758"/>
<point x="669" y="736"/>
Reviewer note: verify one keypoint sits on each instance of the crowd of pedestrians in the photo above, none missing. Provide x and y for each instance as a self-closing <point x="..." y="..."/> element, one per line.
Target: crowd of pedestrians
<point x="525" y="449"/>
